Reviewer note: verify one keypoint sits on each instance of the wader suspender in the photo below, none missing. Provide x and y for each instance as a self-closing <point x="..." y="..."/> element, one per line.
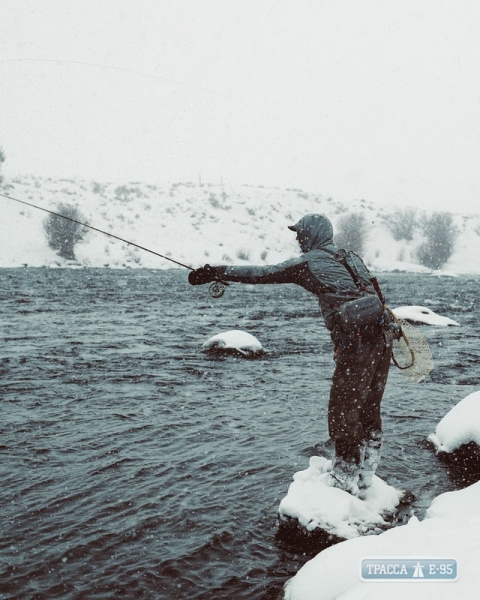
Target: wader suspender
<point x="341" y="257"/>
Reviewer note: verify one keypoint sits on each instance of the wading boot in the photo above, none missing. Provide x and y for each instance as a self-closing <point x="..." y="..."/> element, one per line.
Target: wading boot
<point x="346" y="467"/>
<point x="372" y="454"/>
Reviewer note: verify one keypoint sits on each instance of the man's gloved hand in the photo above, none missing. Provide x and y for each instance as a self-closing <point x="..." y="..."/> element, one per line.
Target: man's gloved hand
<point x="205" y="275"/>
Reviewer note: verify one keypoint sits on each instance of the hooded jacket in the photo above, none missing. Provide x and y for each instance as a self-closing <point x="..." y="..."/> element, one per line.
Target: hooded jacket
<point x="318" y="269"/>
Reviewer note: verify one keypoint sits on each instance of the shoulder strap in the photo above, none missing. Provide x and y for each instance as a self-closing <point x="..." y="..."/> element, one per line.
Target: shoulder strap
<point x="341" y="256"/>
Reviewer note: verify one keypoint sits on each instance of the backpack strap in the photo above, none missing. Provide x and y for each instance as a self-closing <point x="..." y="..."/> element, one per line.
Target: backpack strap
<point x="341" y="257"/>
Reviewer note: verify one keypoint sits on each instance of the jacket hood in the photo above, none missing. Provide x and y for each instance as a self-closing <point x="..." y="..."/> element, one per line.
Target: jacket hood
<point x="313" y="231"/>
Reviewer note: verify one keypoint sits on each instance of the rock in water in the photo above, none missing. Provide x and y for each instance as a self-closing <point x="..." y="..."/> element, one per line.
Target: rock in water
<point x="317" y="509"/>
<point x="232" y="342"/>
<point x="457" y="440"/>
<point x="421" y="314"/>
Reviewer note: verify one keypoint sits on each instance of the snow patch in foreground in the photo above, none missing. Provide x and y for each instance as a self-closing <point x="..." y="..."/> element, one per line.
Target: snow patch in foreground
<point x="421" y="314"/>
<point x="236" y="340"/>
<point x="461" y="425"/>
<point x="451" y="529"/>
<point x="317" y="505"/>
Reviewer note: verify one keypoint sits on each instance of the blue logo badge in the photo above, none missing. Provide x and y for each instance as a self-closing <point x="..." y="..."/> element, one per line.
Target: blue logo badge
<point x="408" y="569"/>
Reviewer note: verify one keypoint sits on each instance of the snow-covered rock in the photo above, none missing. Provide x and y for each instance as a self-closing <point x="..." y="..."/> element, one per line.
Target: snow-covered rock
<point x="421" y="314"/>
<point x="316" y="505"/>
<point x="235" y="341"/>
<point x="460" y="426"/>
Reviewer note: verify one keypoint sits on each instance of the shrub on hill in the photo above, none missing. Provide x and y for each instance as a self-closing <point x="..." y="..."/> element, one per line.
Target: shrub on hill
<point x="440" y="235"/>
<point x="64" y="232"/>
<point x="352" y="232"/>
<point x="2" y="160"/>
<point x="402" y="224"/>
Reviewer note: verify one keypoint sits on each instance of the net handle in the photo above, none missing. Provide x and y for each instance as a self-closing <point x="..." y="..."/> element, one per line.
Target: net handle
<point x="407" y="342"/>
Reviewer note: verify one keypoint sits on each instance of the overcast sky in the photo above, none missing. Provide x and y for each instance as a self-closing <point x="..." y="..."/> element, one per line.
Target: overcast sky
<point x="374" y="99"/>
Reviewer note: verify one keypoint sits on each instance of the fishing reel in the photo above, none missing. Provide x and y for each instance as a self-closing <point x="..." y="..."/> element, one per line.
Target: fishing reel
<point x="217" y="289"/>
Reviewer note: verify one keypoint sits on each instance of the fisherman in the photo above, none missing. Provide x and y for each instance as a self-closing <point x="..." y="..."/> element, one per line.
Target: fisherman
<point x="362" y="345"/>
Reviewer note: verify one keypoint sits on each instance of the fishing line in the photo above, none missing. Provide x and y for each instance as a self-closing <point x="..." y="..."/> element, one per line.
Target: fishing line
<point x="217" y="288"/>
<point x="157" y="78"/>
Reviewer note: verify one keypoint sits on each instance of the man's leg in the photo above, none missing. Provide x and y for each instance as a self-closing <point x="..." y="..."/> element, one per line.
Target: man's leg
<point x="372" y="422"/>
<point x="354" y="375"/>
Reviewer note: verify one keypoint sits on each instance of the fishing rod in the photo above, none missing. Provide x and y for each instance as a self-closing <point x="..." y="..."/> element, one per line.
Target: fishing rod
<point x="216" y="289"/>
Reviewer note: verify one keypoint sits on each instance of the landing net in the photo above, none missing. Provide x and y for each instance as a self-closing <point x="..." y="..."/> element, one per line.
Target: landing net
<point x="411" y="353"/>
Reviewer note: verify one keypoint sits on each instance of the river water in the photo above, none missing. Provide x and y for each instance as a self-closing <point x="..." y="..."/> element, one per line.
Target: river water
<point x="133" y="465"/>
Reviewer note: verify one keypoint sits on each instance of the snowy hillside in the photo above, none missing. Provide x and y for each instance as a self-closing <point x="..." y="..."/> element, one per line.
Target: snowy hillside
<point x="196" y="223"/>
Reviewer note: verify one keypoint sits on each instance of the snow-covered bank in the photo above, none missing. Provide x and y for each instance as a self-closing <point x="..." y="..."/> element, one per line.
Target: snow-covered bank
<point x="197" y="223"/>
<point x="451" y="529"/>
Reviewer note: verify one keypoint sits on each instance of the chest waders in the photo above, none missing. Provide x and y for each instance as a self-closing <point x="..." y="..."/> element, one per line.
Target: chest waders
<point x="362" y="361"/>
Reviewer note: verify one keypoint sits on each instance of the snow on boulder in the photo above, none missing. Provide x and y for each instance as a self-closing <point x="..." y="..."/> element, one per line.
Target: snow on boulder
<point x="457" y="439"/>
<point x="313" y="505"/>
<point x="459" y="426"/>
<point x="234" y="341"/>
<point x="421" y="314"/>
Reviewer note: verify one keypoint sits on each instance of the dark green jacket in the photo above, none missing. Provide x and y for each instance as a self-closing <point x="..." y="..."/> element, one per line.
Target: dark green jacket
<point x="317" y="270"/>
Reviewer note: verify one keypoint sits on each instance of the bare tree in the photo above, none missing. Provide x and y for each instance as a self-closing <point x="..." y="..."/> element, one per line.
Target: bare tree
<point x="64" y="232"/>
<point x="402" y="224"/>
<point x="352" y="232"/>
<point x="440" y="234"/>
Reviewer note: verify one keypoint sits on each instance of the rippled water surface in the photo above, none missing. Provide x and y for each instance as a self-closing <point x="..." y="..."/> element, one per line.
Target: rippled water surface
<point x="136" y="466"/>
